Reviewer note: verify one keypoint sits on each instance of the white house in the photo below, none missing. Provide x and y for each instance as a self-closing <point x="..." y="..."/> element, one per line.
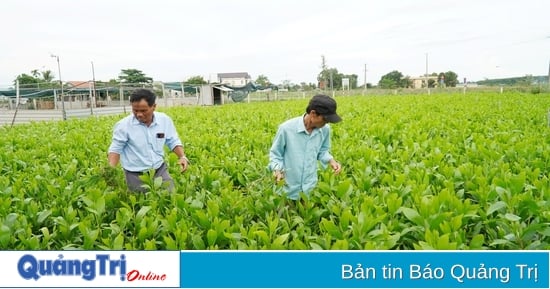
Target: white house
<point x="235" y="79"/>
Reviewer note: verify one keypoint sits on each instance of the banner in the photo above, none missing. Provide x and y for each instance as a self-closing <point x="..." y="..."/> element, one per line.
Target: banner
<point x="364" y="269"/>
<point x="275" y="269"/>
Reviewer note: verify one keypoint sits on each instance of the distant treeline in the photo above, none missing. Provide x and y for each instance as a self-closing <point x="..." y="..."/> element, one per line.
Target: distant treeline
<point x="513" y="81"/>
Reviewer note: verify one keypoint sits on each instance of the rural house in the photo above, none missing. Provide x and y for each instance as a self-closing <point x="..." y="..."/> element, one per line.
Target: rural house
<point x="235" y="79"/>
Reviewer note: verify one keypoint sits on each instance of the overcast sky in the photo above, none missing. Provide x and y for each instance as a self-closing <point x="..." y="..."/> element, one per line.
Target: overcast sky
<point x="281" y="39"/>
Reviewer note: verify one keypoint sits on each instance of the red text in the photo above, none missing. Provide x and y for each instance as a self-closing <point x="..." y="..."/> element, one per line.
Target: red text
<point x="135" y="275"/>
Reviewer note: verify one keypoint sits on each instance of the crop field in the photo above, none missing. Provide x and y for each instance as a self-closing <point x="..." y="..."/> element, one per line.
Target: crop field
<point x="419" y="172"/>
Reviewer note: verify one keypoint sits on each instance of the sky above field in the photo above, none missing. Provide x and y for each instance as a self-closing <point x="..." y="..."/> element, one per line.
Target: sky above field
<point x="282" y="39"/>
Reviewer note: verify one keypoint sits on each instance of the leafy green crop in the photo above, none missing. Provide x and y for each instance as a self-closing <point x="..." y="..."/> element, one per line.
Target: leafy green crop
<point x="419" y="172"/>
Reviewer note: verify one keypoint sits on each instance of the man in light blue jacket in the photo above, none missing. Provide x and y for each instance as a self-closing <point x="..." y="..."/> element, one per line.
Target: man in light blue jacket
<point x="300" y="143"/>
<point x="139" y="139"/>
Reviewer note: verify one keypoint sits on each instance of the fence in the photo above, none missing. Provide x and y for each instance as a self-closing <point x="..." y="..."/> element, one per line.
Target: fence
<point x="287" y="95"/>
<point x="80" y="105"/>
<point x="7" y="117"/>
<point x="78" y="102"/>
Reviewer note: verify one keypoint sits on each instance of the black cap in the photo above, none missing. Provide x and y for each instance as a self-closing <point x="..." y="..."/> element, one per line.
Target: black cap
<point x="325" y="106"/>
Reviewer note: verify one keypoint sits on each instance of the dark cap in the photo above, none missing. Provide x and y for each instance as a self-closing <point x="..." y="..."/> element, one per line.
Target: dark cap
<point x="325" y="106"/>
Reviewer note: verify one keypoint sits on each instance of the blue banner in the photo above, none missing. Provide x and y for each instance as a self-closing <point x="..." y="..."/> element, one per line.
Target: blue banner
<point x="364" y="269"/>
<point x="275" y="269"/>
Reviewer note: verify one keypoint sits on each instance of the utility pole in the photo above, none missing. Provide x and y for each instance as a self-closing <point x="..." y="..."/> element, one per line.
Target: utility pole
<point x="93" y="100"/>
<point x="93" y="79"/>
<point x="61" y="84"/>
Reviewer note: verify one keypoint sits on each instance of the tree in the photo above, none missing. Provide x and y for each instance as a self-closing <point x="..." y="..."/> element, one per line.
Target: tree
<point x="26" y="79"/>
<point x="286" y="83"/>
<point x="262" y="80"/>
<point x="393" y="79"/>
<point x="35" y="73"/>
<point x="134" y="76"/>
<point x="525" y="81"/>
<point x="195" y="80"/>
<point x="37" y="79"/>
<point x="332" y="79"/>
<point x="451" y="79"/>
<point x="352" y="80"/>
<point x="307" y="86"/>
<point x="47" y="76"/>
<point x="441" y="80"/>
<point x="431" y="82"/>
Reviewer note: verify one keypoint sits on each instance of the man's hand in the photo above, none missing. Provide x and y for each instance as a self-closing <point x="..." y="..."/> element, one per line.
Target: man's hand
<point x="110" y="175"/>
<point x="278" y="175"/>
<point x="184" y="163"/>
<point x="336" y="167"/>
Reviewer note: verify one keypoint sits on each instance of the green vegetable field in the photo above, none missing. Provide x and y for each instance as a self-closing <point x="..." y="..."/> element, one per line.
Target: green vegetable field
<point x="419" y="172"/>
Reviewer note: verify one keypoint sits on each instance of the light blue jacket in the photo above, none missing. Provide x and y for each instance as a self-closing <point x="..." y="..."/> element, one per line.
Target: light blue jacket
<point x="140" y="147"/>
<point x="296" y="152"/>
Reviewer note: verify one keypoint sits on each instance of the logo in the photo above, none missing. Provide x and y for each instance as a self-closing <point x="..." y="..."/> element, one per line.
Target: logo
<point x="29" y="267"/>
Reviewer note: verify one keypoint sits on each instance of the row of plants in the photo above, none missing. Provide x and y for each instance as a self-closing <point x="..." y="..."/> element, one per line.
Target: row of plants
<point x="420" y="172"/>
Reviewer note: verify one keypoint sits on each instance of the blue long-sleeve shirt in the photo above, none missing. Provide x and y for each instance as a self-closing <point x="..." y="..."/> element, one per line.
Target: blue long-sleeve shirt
<point x="296" y="152"/>
<point x="141" y="147"/>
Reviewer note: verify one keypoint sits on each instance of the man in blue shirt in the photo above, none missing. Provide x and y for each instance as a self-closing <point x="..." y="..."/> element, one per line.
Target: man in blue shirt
<point x="301" y="142"/>
<point x="139" y="139"/>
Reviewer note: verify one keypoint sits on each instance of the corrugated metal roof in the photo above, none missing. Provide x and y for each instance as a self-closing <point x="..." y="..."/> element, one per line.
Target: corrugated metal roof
<point x="234" y="75"/>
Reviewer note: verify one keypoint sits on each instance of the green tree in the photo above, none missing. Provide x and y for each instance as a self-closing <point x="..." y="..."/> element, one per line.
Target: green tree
<point x="262" y="80"/>
<point x="132" y="75"/>
<point x="451" y="79"/>
<point x="329" y="77"/>
<point x="334" y="79"/>
<point x="441" y="83"/>
<point x="352" y="80"/>
<point x="36" y="79"/>
<point x="195" y="80"/>
<point x="307" y="86"/>
<point x="527" y="80"/>
<point x="35" y="73"/>
<point x="47" y="76"/>
<point x="25" y="79"/>
<point x="393" y="79"/>
<point x="286" y="83"/>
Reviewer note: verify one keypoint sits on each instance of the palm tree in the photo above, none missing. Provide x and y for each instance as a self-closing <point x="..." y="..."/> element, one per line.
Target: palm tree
<point x="35" y="73"/>
<point x="47" y="76"/>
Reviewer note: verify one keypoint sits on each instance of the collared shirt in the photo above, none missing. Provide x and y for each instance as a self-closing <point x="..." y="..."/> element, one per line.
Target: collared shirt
<point x="296" y="152"/>
<point x="141" y="147"/>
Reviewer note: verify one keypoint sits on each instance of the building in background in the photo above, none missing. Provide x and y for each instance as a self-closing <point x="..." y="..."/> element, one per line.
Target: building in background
<point x="420" y="81"/>
<point x="234" y="79"/>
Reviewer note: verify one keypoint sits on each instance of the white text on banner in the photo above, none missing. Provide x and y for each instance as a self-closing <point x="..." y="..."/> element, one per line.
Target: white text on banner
<point x="364" y="269"/>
